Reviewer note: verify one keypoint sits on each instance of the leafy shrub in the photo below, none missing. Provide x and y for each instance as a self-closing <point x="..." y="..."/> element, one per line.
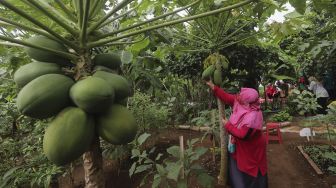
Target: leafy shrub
<point x="23" y="162"/>
<point x="302" y="102"/>
<point x="148" y="113"/>
<point x="281" y="116"/>
<point x="170" y="169"/>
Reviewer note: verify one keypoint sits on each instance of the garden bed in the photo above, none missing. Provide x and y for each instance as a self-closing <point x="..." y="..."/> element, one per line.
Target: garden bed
<point x="295" y="173"/>
<point x="322" y="158"/>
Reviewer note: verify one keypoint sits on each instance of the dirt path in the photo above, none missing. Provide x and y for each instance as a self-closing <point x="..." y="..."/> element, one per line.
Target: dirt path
<point x="288" y="168"/>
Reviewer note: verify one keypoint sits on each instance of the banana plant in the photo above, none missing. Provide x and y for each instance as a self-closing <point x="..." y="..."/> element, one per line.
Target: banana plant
<point x="84" y="28"/>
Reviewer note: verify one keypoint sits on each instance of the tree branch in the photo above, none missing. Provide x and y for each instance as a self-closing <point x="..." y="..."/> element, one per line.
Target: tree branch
<point x="55" y="16"/>
<point x="24" y="43"/>
<point x="36" y="22"/>
<point x="105" y="41"/>
<point x="25" y="27"/>
<point x="117" y="17"/>
<point x="109" y="14"/>
<point x="148" y="21"/>
<point x="83" y="34"/>
<point x="65" y="10"/>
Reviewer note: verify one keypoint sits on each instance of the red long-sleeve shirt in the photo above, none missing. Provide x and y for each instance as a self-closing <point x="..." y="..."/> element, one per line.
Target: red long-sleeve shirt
<point x="250" y="143"/>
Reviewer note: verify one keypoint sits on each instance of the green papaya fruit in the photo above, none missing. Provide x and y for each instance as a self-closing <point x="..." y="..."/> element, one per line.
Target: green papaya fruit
<point x="103" y="68"/>
<point x="43" y="55"/>
<point x="110" y="60"/>
<point x="93" y="94"/>
<point x="117" y="125"/>
<point x="68" y="136"/>
<point x="120" y="85"/>
<point x="225" y="64"/>
<point x="208" y="72"/>
<point x="44" y="96"/>
<point x="29" y="72"/>
<point x="218" y="77"/>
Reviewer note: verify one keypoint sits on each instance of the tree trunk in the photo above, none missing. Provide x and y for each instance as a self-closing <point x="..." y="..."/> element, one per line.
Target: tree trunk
<point x="265" y="97"/>
<point x="93" y="166"/>
<point x="14" y="126"/>
<point x="223" y="171"/>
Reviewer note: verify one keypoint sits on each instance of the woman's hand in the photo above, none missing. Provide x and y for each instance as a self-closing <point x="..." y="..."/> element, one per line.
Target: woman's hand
<point x="224" y="121"/>
<point x="210" y="84"/>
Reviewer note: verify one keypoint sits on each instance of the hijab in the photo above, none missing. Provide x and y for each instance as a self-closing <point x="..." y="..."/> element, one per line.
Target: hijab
<point x="246" y="110"/>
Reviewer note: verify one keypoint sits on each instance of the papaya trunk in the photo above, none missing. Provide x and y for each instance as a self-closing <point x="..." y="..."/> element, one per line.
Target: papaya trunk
<point x="223" y="171"/>
<point x="93" y="166"/>
<point x="265" y="97"/>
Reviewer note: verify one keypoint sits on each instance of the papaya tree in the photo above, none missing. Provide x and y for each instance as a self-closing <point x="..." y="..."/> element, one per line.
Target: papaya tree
<point x="73" y="80"/>
<point x="210" y="35"/>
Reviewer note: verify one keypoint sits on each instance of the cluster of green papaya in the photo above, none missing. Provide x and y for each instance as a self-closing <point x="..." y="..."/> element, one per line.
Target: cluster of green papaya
<point x="215" y="65"/>
<point x="81" y="108"/>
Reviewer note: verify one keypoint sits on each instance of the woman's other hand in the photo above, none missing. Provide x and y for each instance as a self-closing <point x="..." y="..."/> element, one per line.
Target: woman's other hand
<point x="224" y="121"/>
<point x="210" y="84"/>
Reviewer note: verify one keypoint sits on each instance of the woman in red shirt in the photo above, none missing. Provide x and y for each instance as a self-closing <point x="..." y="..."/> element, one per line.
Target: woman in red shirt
<point x="248" y="164"/>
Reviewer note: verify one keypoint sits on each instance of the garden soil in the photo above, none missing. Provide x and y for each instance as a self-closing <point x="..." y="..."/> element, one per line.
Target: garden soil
<point x="287" y="168"/>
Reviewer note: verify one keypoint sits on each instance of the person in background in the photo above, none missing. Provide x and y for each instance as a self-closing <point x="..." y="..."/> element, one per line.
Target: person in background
<point x="329" y="84"/>
<point x="247" y="158"/>
<point x="302" y="82"/>
<point x="321" y="94"/>
<point x="272" y="94"/>
<point x="283" y="92"/>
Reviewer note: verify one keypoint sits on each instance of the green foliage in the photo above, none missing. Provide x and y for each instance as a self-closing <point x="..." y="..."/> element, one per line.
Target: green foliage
<point x="23" y="161"/>
<point x="148" y="113"/>
<point x="204" y="118"/>
<point x="281" y="116"/>
<point x="168" y="172"/>
<point x="324" y="156"/>
<point x="302" y="102"/>
<point x="186" y="96"/>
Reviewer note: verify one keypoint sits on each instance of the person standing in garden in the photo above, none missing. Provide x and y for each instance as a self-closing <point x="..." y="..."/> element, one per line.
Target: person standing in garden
<point x="247" y="144"/>
<point x="320" y="93"/>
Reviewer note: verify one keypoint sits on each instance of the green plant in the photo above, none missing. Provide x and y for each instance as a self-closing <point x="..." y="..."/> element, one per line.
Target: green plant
<point x="172" y="171"/>
<point x="27" y="166"/>
<point x="281" y="116"/>
<point x="329" y="120"/>
<point x="302" y="102"/>
<point x="204" y="118"/>
<point x="324" y="156"/>
<point x="148" y="113"/>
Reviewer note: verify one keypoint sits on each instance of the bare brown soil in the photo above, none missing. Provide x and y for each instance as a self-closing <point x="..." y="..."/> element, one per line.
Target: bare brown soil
<point x="287" y="167"/>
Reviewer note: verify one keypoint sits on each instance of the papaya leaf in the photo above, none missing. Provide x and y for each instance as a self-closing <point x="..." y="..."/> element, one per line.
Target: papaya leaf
<point x="299" y="5"/>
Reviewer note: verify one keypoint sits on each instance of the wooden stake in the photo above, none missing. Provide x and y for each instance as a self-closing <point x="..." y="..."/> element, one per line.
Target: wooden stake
<point x="182" y="156"/>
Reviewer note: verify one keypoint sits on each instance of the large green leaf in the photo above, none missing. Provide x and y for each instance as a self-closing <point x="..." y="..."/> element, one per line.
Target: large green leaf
<point x="174" y="151"/>
<point x="299" y="5"/>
